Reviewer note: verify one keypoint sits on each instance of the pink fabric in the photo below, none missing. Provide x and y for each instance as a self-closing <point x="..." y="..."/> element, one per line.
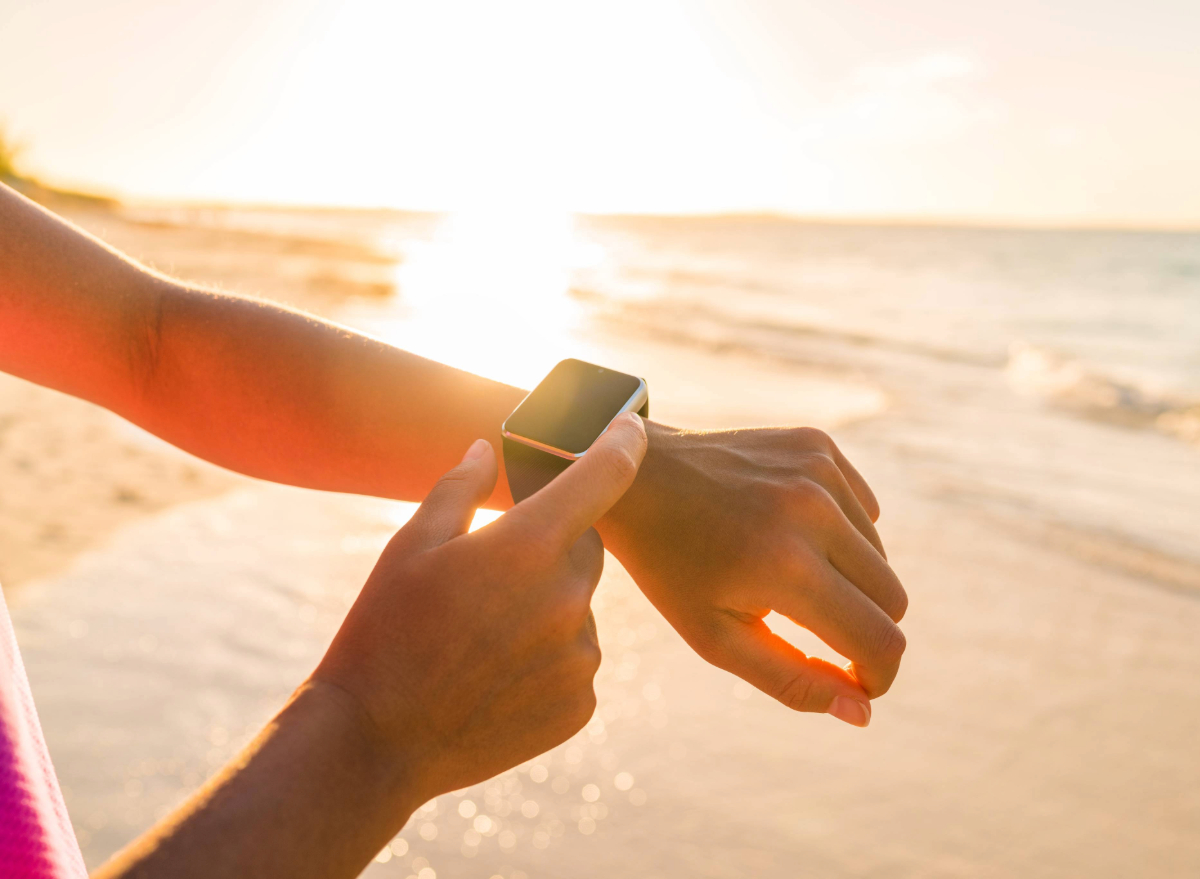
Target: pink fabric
<point x="36" y="839"/>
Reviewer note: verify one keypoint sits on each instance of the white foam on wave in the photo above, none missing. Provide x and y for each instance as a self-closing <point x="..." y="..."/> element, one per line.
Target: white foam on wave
<point x="1070" y="384"/>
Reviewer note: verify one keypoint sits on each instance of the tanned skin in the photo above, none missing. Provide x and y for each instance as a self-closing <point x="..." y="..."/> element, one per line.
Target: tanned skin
<point x="717" y="528"/>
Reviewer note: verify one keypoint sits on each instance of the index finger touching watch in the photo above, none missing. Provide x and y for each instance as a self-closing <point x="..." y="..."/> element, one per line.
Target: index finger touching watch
<point x="558" y="421"/>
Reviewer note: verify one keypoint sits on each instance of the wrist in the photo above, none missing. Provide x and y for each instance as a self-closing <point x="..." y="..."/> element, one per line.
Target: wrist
<point x="636" y="508"/>
<point x="347" y="733"/>
<point x="317" y="793"/>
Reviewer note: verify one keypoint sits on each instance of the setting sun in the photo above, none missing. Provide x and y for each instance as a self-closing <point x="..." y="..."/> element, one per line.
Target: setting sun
<point x="868" y="110"/>
<point x="484" y="284"/>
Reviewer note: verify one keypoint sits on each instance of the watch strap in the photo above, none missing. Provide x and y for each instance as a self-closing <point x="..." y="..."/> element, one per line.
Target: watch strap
<point x="529" y="469"/>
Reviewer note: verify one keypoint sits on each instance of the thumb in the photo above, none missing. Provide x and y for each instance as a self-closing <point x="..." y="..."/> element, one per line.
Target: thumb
<point x="568" y="506"/>
<point x="450" y="506"/>
<point x="803" y="683"/>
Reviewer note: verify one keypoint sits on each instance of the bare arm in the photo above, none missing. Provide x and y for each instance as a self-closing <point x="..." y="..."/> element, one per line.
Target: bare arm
<point x="248" y="385"/>
<point x="719" y="528"/>
<point x="316" y="794"/>
<point x="401" y="709"/>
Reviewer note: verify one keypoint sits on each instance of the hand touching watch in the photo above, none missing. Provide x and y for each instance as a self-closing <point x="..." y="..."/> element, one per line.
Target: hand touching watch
<point x="722" y="527"/>
<point x="718" y="528"/>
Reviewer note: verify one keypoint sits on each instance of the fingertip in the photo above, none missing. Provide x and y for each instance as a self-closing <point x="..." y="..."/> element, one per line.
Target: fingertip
<point x="583" y="493"/>
<point x="478" y="469"/>
<point x="632" y="422"/>
<point x="633" y="419"/>
<point x="478" y="449"/>
<point x="486" y="458"/>
<point x="851" y="711"/>
<point x="623" y="440"/>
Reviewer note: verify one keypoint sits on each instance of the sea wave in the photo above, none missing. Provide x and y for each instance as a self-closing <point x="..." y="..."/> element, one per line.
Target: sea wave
<point x="1075" y="386"/>
<point x="1034" y="371"/>
<point x="701" y="325"/>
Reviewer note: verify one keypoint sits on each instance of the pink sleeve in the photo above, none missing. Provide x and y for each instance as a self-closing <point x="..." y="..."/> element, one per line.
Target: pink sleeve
<point x="36" y="839"/>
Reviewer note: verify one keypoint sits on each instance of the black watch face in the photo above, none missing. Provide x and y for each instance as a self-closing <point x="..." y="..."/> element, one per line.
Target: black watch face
<point x="572" y="406"/>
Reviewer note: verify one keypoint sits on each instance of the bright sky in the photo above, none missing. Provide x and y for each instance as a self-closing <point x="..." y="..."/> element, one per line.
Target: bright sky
<point x="1030" y="110"/>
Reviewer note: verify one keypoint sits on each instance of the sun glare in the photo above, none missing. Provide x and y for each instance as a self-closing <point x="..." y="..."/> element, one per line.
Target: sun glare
<point x="490" y="292"/>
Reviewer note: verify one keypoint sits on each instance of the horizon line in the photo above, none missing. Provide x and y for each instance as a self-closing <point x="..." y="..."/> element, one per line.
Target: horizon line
<point x="1029" y="223"/>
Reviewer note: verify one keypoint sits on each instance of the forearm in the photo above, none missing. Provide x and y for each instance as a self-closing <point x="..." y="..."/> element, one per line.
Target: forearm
<point x="288" y="397"/>
<point x="248" y="385"/>
<point x="314" y="795"/>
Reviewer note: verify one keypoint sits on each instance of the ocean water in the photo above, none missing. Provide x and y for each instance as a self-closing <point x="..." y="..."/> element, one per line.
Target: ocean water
<point x="1097" y="319"/>
<point x="1126" y="304"/>
<point x="1049" y="374"/>
<point x="1112" y="314"/>
<point x="1024" y="403"/>
<point x="1006" y="356"/>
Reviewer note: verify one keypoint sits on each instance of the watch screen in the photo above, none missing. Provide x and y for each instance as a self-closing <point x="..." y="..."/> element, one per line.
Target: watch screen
<point x="572" y="405"/>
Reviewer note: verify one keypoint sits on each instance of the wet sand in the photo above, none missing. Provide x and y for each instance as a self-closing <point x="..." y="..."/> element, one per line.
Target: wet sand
<point x="1044" y="723"/>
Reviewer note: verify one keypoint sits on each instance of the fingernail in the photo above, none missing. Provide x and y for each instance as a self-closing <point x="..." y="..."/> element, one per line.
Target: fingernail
<point x="850" y="711"/>
<point x="476" y="451"/>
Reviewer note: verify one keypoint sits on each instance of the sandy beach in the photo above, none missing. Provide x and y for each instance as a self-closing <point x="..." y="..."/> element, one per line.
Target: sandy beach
<point x="1044" y="722"/>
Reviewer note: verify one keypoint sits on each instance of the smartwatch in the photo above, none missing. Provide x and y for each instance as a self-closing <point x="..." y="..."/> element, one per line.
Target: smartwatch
<point x="559" y="420"/>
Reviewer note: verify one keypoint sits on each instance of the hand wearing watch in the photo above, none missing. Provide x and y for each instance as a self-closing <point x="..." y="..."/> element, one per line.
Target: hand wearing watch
<point x="559" y="420"/>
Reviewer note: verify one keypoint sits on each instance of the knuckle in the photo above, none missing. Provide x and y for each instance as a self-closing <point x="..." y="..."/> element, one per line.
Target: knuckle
<point x="584" y="707"/>
<point x="590" y="657"/>
<point x="566" y="616"/>
<point x="619" y="467"/>
<point x="890" y="645"/>
<point x="707" y="648"/>
<point x="781" y="501"/>
<point x="821" y="468"/>
<point x="587" y="580"/>
<point x="572" y="712"/>
<point x="712" y="642"/>
<point x="813" y="438"/>
<point x="797" y="692"/>
<point x="454" y="480"/>
<point x="884" y="662"/>
<point x="812" y="502"/>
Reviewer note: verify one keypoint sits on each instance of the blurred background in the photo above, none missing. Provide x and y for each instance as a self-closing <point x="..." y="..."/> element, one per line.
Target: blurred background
<point x="962" y="238"/>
